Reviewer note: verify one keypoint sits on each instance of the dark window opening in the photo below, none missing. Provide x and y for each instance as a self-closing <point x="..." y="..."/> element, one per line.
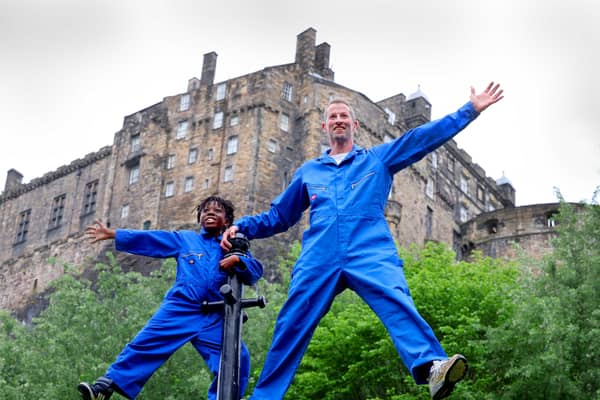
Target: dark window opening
<point x="551" y="219"/>
<point x="492" y="226"/>
<point x="89" y="197"/>
<point x="57" y="212"/>
<point x="23" y="227"/>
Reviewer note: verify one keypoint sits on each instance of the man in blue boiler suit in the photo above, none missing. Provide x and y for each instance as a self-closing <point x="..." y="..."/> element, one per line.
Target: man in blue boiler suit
<point x="349" y="245"/>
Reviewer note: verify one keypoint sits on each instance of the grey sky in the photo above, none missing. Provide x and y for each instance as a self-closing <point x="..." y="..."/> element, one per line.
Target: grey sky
<point x="72" y="69"/>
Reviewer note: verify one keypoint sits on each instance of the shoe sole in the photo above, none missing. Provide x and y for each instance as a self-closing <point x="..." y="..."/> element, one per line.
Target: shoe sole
<point x="456" y="372"/>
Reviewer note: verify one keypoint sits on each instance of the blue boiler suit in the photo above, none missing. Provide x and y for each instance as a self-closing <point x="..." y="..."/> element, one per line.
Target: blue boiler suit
<point x="179" y="318"/>
<point x="348" y="245"/>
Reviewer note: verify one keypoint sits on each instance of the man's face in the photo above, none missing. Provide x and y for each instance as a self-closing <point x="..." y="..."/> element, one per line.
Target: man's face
<point x="212" y="217"/>
<point x="339" y="124"/>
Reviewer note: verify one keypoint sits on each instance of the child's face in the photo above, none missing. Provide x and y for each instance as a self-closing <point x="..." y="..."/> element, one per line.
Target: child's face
<point x="212" y="218"/>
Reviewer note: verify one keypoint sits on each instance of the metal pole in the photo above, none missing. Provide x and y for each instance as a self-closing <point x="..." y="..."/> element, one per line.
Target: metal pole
<point x="228" y="385"/>
<point x="228" y="381"/>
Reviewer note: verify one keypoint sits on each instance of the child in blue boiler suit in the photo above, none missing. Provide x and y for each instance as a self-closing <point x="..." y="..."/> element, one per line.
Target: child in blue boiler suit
<point x="201" y="271"/>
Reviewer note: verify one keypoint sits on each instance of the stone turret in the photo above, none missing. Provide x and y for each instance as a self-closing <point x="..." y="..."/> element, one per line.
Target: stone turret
<point x="508" y="191"/>
<point x="417" y="109"/>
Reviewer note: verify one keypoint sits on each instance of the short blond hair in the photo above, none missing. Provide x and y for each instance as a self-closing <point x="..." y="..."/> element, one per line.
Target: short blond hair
<point x="339" y="101"/>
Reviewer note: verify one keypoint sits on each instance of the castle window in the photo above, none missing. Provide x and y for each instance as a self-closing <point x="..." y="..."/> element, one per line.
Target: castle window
<point x="450" y="164"/>
<point x="429" y="188"/>
<point x="285" y="180"/>
<point x="228" y="175"/>
<point x="234" y="120"/>
<point x="284" y="122"/>
<point x="492" y="226"/>
<point x="23" y="227"/>
<point x="464" y="184"/>
<point x="287" y="91"/>
<point x="188" y="184"/>
<point x="146" y="225"/>
<point x="135" y="143"/>
<point x="480" y="193"/>
<point x="434" y="159"/>
<point x="463" y="214"/>
<point x="56" y="214"/>
<point x="429" y="223"/>
<point x="221" y="89"/>
<point x="218" y="120"/>
<point x="391" y="116"/>
<point x="272" y="146"/>
<point x="211" y="154"/>
<point x="89" y="197"/>
<point x="134" y="174"/>
<point x="206" y="183"/>
<point x="192" y="156"/>
<point x="125" y="211"/>
<point x="232" y="145"/>
<point x="170" y="161"/>
<point x="182" y="128"/>
<point x="169" y="189"/>
<point x="551" y="219"/>
<point x="184" y="103"/>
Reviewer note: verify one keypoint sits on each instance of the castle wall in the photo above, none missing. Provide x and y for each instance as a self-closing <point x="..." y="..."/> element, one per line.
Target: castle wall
<point x="60" y="205"/>
<point x="502" y="232"/>
<point x="242" y="139"/>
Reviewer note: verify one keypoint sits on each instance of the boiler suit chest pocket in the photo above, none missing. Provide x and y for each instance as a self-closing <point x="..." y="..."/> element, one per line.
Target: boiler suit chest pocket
<point x="364" y="190"/>
<point x="193" y="266"/>
<point x="319" y="197"/>
<point x="192" y="259"/>
<point x="362" y="181"/>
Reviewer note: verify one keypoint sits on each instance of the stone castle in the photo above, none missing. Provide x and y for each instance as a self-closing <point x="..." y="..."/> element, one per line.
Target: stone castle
<point x="243" y="138"/>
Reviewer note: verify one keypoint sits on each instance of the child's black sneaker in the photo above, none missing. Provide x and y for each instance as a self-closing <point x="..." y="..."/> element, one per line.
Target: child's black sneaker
<point x="100" y="390"/>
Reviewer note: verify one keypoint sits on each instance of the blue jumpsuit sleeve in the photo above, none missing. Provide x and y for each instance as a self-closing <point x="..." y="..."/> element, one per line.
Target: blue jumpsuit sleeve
<point x="285" y="211"/>
<point x="159" y="244"/>
<point x="416" y="143"/>
<point x="252" y="272"/>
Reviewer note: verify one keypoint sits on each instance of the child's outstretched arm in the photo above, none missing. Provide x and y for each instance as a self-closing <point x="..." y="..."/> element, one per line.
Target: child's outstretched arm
<point x="98" y="231"/>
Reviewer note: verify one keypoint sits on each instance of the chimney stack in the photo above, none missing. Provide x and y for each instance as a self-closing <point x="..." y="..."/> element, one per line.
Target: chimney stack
<point x="305" y="48"/>
<point x="209" y="67"/>
<point x="322" y="60"/>
<point x="13" y="180"/>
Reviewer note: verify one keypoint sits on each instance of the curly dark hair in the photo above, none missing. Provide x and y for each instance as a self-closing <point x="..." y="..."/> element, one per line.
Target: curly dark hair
<point x="226" y="204"/>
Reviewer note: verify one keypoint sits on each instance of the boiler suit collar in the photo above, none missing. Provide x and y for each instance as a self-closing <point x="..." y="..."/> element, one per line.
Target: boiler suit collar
<point x="325" y="158"/>
<point x="204" y="233"/>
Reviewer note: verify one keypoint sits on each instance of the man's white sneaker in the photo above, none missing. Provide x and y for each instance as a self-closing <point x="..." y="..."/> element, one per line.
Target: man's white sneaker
<point x="444" y="374"/>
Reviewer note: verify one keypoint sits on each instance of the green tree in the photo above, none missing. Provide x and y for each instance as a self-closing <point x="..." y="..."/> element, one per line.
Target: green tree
<point x="82" y="331"/>
<point x="549" y="348"/>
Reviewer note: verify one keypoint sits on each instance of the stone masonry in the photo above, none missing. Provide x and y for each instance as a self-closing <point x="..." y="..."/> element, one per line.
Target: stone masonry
<point x="243" y="139"/>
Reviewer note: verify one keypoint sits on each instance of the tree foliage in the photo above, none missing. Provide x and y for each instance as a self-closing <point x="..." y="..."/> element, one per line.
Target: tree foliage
<point x="549" y="348"/>
<point x="82" y="331"/>
<point x="529" y="331"/>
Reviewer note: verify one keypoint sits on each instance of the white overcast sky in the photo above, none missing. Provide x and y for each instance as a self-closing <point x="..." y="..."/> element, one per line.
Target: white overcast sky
<point x="70" y="70"/>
